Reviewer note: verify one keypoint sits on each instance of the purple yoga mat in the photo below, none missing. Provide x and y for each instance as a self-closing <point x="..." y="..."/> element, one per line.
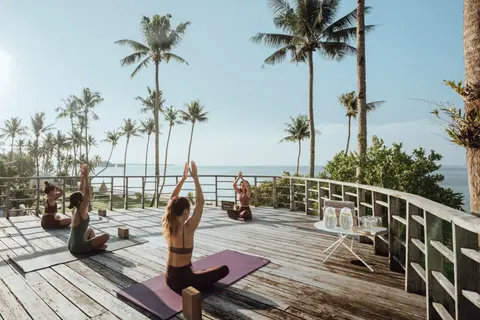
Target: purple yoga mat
<point x="155" y="297"/>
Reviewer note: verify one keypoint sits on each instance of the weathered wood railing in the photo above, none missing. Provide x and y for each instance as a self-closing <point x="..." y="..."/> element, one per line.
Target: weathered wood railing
<point x="434" y="245"/>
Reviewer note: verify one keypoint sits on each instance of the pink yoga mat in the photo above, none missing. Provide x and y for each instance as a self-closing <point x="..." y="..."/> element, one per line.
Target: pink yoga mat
<point x="155" y="297"/>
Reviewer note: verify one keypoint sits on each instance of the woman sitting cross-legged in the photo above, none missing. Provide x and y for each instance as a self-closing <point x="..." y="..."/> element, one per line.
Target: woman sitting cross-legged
<point x="244" y="195"/>
<point x="82" y="237"/>
<point x="179" y="230"/>
<point x="50" y="219"/>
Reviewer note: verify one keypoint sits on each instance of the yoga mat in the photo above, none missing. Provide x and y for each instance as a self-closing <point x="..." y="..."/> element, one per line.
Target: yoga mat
<point x="49" y="258"/>
<point x="155" y="297"/>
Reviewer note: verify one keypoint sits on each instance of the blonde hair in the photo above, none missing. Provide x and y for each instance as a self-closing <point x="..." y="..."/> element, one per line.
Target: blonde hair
<point x="175" y="208"/>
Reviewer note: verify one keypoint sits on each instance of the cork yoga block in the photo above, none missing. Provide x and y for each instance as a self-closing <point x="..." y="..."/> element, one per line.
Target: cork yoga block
<point x="102" y="212"/>
<point x="123" y="232"/>
<point x="192" y="304"/>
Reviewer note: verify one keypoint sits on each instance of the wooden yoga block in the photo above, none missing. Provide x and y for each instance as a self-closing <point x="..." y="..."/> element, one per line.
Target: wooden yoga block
<point x="227" y="205"/>
<point x="102" y="212"/>
<point x="123" y="232"/>
<point x="192" y="305"/>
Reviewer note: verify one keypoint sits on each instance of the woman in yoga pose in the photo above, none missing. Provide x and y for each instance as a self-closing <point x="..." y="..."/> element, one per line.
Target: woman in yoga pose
<point x="50" y="219"/>
<point x="82" y="237"/>
<point x="179" y="230"/>
<point x="244" y="195"/>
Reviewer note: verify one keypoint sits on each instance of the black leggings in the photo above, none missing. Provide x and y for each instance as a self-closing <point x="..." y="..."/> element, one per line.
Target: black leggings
<point x="179" y="278"/>
<point x="242" y="213"/>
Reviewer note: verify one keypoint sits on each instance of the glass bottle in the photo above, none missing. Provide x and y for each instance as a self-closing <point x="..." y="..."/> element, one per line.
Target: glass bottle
<point x="346" y="218"/>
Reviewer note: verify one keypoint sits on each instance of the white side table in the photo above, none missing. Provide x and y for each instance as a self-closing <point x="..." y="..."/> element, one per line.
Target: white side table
<point x="342" y="236"/>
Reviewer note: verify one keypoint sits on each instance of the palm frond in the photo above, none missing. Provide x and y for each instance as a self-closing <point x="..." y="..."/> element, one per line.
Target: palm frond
<point x="279" y="55"/>
<point x="133" y="58"/>
<point x="136" y="46"/>
<point x="374" y="105"/>
<point x="167" y="56"/>
<point x="274" y="40"/>
<point x="142" y="65"/>
<point x="345" y="35"/>
<point x="336" y="50"/>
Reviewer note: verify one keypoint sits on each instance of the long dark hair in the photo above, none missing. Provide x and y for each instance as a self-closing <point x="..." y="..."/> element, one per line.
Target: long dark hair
<point x="48" y="187"/>
<point x="175" y="208"/>
<point x="76" y="199"/>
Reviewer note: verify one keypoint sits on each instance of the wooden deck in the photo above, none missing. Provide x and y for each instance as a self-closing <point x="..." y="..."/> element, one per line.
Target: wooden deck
<point x="295" y="285"/>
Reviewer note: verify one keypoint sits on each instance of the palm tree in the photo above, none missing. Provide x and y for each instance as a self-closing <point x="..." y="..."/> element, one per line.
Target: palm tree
<point x="172" y="117"/>
<point x="362" y="89"/>
<point x="20" y="145"/>
<point x="60" y="143"/>
<point x="38" y="129"/>
<point x="297" y="130"/>
<point x="87" y="101"/>
<point x="148" y="127"/>
<point x="48" y="148"/>
<point x="148" y="103"/>
<point x="112" y="137"/>
<point x="471" y="52"/>
<point x="350" y="102"/>
<point x="195" y="113"/>
<point x="159" y="40"/>
<point x="71" y="111"/>
<point x="129" y="129"/>
<point x="309" y="26"/>
<point x="13" y="128"/>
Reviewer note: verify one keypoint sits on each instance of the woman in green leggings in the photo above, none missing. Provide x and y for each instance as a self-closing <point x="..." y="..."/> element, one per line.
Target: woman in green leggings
<point x="82" y="238"/>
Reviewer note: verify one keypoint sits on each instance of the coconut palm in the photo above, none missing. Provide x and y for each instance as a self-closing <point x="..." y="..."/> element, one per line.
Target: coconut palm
<point x="173" y="118"/>
<point x="20" y="147"/>
<point x="147" y="127"/>
<point x="70" y="111"/>
<point x="159" y="41"/>
<point x="129" y="129"/>
<point x="297" y="130"/>
<point x="148" y="103"/>
<point x="309" y="26"/>
<point x="350" y="102"/>
<point x="194" y="113"/>
<point x="39" y="127"/>
<point x="48" y="148"/>
<point x="471" y="52"/>
<point x="362" y="89"/>
<point x="112" y="137"/>
<point x="13" y="128"/>
<point x="87" y="101"/>
<point x="60" y="144"/>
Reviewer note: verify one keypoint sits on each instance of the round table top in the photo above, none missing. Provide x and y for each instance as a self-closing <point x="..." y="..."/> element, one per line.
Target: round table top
<point x="320" y="225"/>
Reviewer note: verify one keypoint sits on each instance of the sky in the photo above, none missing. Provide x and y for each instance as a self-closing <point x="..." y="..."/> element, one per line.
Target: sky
<point x="52" y="49"/>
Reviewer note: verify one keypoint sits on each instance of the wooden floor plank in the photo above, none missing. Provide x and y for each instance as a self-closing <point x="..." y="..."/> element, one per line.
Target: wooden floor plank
<point x="295" y="285"/>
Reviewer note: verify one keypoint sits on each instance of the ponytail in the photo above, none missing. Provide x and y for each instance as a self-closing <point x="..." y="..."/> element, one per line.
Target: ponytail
<point x="175" y="208"/>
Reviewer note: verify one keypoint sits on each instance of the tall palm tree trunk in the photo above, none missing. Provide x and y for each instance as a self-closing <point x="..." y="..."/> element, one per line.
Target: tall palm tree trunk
<point x="157" y="137"/>
<point x="125" y="170"/>
<point x="349" y="132"/>
<point x="74" y="148"/>
<point x="190" y="145"/>
<point x="471" y="51"/>
<point x="11" y="149"/>
<point x="299" y="152"/>
<point x="362" y="89"/>
<point x="165" y="165"/>
<point x="86" y="135"/>
<point x="146" y="155"/>
<point x="108" y="161"/>
<point x="310" y="116"/>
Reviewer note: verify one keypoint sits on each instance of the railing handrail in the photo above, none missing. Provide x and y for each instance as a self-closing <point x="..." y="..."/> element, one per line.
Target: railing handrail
<point x="442" y="211"/>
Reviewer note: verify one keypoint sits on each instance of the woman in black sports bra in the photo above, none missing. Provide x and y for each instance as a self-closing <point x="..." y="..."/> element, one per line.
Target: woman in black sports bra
<point x="179" y="229"/>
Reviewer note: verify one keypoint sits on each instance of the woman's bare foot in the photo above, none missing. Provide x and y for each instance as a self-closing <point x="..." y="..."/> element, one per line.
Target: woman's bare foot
<point x="102" y="247"/>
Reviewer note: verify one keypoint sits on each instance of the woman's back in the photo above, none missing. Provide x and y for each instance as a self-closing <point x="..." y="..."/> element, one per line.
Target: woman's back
<point x="180" y="247"/>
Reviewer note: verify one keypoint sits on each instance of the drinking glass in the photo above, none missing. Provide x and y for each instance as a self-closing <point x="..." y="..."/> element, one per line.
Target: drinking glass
<point x="330" y="218"/>
<point x="346" y="219"/>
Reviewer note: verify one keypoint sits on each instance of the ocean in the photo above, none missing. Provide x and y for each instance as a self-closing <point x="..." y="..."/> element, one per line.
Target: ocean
<point x="456" y="177"/>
